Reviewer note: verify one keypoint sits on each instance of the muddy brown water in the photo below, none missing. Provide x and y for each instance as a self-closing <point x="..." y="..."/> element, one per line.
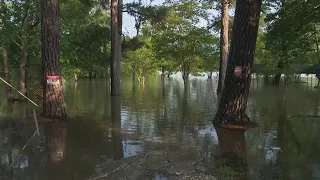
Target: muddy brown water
<point x="167" y="118"/>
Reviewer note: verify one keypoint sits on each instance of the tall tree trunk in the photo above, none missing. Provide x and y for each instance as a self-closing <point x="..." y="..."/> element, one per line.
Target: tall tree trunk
<point x="233" y="103"/>
<point x="115" y="44"/>
<point x="53" y="101"/>
<point x="162" y="72"/>
<point x="5" y="53"/>
<point x="23" y="67"/>
<point x="223" y="44"/>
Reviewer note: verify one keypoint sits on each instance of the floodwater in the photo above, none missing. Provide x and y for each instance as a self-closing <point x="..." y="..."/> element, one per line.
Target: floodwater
<point x="164" y="115"/>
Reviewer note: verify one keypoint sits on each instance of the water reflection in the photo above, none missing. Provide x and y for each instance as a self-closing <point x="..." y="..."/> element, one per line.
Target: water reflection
<point x="116" y="127"/>
<point x="56" y="138"/>
<point x="232" y="145"/>
<point x="165" y="116"/>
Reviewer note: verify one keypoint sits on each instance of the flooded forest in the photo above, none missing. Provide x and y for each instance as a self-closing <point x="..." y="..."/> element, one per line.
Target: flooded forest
<point x="159" y="89"/>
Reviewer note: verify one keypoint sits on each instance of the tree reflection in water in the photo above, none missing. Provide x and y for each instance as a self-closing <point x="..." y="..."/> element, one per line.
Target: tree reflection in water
<point x="56" y="137"/>
<point x="116" y="127"/>
<point x="232" y="146"/>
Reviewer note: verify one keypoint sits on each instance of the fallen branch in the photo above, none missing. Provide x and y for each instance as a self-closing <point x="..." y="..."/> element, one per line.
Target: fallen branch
<point x="310" y="116"/>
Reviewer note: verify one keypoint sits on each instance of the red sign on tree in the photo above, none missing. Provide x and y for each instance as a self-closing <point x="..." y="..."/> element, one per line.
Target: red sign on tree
<point x="238" y="71"/>
<point x="53" y="80"/>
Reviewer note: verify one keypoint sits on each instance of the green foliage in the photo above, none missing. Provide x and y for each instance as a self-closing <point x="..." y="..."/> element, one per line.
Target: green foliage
<point x="226" y="173"/>
<point x="179" y="40"/>
<point x="85" y="44"/>
<point x="293" y="31"/>
<point x="142" y="61"/>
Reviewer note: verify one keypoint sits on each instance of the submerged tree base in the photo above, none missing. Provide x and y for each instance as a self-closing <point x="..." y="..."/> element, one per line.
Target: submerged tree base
<point x="233" y="122"/>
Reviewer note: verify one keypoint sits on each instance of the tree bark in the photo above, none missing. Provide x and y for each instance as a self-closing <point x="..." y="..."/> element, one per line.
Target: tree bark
<point x="5" y="53"/>
<point x="53" y="100"/>
<point x="223" y="44"/>
<point x="23" y="65"/>
<point x="115" y="44"/>
<point x="233" y="103"/>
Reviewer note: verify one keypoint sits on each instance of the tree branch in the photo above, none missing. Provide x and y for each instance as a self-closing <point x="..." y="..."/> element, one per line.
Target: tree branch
<point x="17" y="44"/>
<point x="212" y="25"/>
<point x="132" y="11"/>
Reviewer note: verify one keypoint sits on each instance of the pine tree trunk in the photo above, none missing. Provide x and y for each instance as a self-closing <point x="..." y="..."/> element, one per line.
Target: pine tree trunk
<point x="53" y="100"/>
<point x="5" y="54"/>
<point x="223" y="44"/>
<point x="115" y="59"/>
<point x="23" y="66"/>
<point x="233" y="103"/>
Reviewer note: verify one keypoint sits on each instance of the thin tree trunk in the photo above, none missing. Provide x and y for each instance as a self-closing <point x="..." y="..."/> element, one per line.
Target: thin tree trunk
<point x="143" y="80"/>
<point x="209" y="75"/>
<point x="233" y="103"/>
<point x="185" y="73"/>
<point x="223" y="44"/>
<point x="95" y="74"/>
<point x="134" y="76"/>
<point x="53" y="100"/>
<point x="23" y="66"/>
<point x="5" y="53"/>
<point x="90" y="74"/>
<point x="266" y="78"/>
<point x="317" y="46"/>
<point x="162" y="72"/>
<point x="75" y="77"/>
<point x="115" y="59"/>
<point x="277" y="77"/>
